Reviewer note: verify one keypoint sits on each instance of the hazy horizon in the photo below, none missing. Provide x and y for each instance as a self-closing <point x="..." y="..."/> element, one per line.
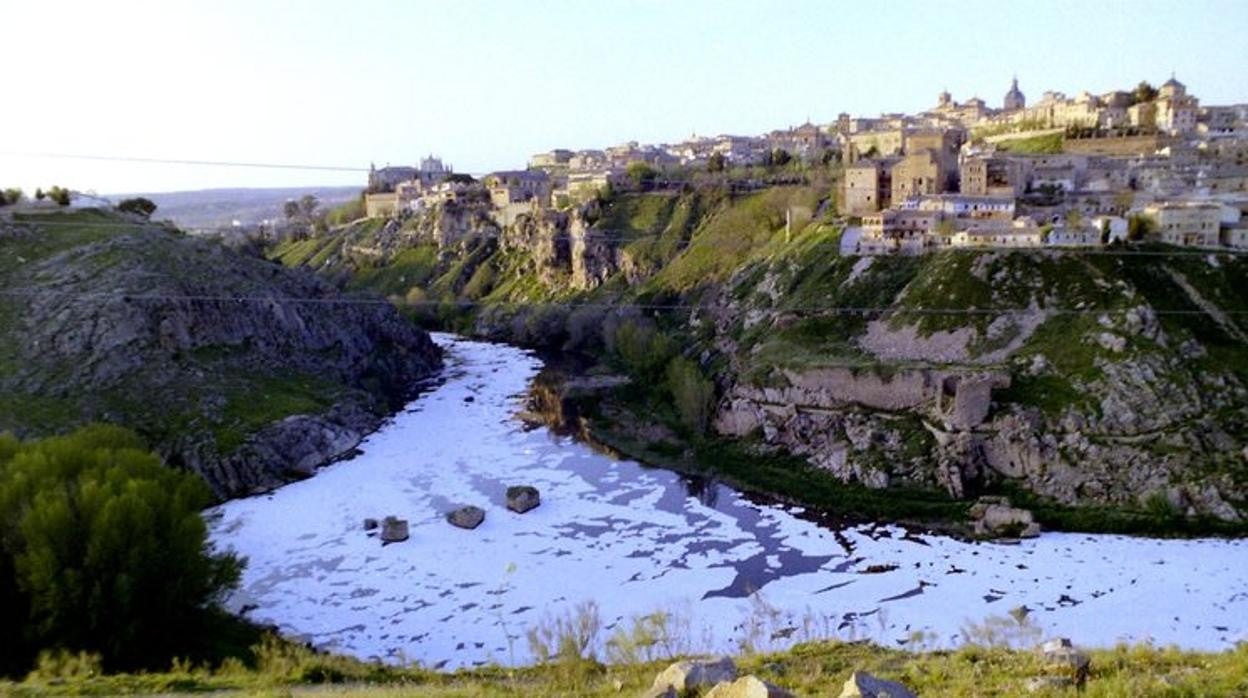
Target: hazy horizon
<point x="484" y="85"/>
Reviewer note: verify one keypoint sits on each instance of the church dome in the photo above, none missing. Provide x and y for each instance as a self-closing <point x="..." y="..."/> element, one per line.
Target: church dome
<point x="1014" y="99"/>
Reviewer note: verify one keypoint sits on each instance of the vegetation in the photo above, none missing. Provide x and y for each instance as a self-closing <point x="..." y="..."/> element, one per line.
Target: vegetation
<point x="138" y="206"/>
<point x="811" y="668"/>
<point x="1048" y="144"/>
<point x="10" y="196"/>
<point x="103" y="550"/>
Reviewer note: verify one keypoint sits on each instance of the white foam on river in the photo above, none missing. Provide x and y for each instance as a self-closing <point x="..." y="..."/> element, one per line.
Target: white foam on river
<point x="635" y="540"/>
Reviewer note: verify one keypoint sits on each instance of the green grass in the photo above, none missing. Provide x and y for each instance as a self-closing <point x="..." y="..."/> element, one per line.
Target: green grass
<point x="1048" y="144"/>
<point x="813" y="668"/>
<point x="256" y="403"/>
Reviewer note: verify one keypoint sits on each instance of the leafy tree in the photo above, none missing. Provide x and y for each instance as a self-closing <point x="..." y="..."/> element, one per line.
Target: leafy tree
<point x="459" y="178"/>
<point x="39" y="195"/>
<point x="10" y="196"/>
<point x="780" y="157"/>
<point x="642" y="174"/>
<point x="138" y="206"/>
<point x="1139" y="228"/>
<point x="715" y="163"/>
<point x="692" y="393"/>
<point x="60" y="195"/>
<point x="308" y="205"/>
<point x="290" y="209"/>
<point x="1144" y="92"/>
<point x="102" y="549"/>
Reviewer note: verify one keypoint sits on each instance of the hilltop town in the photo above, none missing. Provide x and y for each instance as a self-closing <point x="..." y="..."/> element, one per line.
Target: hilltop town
<point x="1141" y="165"/>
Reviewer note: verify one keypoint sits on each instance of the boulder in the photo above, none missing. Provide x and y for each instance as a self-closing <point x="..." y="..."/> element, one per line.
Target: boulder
<point x="748" y="687"/>
<point x="1061" y="657"/>
<point x="393" y="530"/>
<point x="370" y="524"/>
<point x="695" y="674"/>
<point x="863" y="685"/>
<point x="522" y="498"/>
<point x="466" y="517"/>
<point x="993" y="516"/>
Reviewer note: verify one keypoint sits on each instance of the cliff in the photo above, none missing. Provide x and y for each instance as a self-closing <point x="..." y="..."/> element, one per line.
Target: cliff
<point x="1116" y="378"/>
<point x="241" y="370"/>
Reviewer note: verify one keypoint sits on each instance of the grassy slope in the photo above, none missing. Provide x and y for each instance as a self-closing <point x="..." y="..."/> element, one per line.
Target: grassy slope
<point x="811" y="669"/>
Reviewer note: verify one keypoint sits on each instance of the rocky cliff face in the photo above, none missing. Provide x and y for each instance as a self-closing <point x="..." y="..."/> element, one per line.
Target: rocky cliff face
<point x="1087" y="379"/>
<point x="237" y="368"/>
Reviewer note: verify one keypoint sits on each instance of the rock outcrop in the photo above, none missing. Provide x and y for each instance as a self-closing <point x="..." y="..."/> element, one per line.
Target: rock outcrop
<point x="860" y="684"/>
<point x="695" y="674"/>
<point x="236" y="368"/>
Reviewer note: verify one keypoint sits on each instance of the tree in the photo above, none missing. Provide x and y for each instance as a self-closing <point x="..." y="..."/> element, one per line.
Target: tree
<point x="60" y="195"/>
<point x="715" y="163"/>
<point x="290" y="209"/>
<point x="10" y="196"/>
<point x="307" y="205"/>
<point x="39" y="195"/>
<point x="1143" y="92"/>
<point x="459" y="178"/>
<point x="692" y="393"/>
<point x="780" y="157"/>
<point x="138" y="206"/>
<point x="103" y="549"/>
<point x="642" y="174"/>
<point x="1139" y="227"/>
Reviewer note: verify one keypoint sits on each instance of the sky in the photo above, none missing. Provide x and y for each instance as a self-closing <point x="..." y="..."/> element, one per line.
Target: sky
<point x="484" y="84"/>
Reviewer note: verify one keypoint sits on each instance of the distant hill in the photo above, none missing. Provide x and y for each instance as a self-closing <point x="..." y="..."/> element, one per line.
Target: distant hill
<point x="219" y="208"/>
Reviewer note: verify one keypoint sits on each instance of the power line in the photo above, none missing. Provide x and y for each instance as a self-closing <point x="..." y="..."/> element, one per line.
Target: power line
<point x="45" y="291"/>
<point x="183" y="161"/>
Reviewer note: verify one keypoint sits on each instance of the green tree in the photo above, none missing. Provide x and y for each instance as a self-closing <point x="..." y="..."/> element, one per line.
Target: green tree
<point x="39" y="195"/>
<point x="692" y="393"/>
<point x="1139" y="228"/>
<point x="715" y="163"/>
<point x="1143" y="92"/>
<point x="642" y="175"/>
<point x="60" y="195"/>
<point x="780" y="157"/>
<point x="10" y="196"/>
<point x="138" y="206"/>
<point x="103" y="549"/>
<point x="290" y="209"/>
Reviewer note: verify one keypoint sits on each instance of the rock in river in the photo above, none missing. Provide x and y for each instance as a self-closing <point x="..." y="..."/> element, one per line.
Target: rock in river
<point x="522" y="498"/>
<point x="466" y="517"/>
<point x="393" y="530"/>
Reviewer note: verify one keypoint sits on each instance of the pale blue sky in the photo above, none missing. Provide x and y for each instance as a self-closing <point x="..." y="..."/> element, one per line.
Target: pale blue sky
<point x="485" y="84"/>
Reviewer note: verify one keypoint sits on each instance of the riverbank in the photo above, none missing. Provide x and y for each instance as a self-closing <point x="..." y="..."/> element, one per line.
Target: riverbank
<point x="625" y="420"/>
<point x="815" y="669"/>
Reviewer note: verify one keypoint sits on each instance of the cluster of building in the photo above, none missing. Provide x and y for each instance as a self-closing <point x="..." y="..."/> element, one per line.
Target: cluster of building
<point x="934" y="180"/>
<point x="948" y="176"/>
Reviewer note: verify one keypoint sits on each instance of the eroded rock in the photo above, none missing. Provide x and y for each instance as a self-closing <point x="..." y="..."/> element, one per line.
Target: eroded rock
<point x="468" y="517"/>
<point x="522" y="498"/>
<point x="863" y="685"/>
<point x="696" y="674"/>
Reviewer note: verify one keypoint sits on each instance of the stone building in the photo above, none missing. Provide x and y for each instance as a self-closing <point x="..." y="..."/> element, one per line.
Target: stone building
<point x="865" y="188"/>
<point x="994" y="175"/>
<point x="1188" y="224"/>
<point x="517" y="186"/>
<point x="918" y="174"/>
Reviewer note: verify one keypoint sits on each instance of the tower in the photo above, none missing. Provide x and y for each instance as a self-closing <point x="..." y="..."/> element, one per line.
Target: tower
<point x="1014" y="99"/>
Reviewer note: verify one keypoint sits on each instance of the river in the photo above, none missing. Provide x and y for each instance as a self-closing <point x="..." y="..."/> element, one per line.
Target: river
<point x="728" y="571"/>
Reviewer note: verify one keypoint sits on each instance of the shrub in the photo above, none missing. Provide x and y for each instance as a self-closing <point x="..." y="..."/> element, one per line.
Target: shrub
<point x="640" y="348"/>
<point x="60" y="195"/>
<point x="103" y="550"/>
<point x="138" y="206"/>
<point x="10" y="196"/>
<point x="692" y="393"/>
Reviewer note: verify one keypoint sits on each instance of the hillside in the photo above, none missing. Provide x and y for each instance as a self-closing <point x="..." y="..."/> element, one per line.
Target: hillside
<point x="1115" y="383"/>
<point x="233" y="367"/>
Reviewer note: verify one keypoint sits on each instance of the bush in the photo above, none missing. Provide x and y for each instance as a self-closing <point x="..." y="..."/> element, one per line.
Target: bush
<point x="102" y="550"/>
<point x="641" y="349"/>
<point x="138" y="206"/>
<point x="60" y="195"/>
<point x="692" y="393"/>
<point x="10" y="196"/>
